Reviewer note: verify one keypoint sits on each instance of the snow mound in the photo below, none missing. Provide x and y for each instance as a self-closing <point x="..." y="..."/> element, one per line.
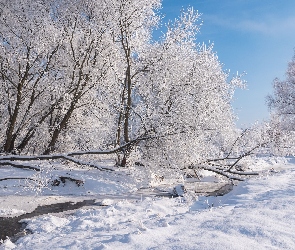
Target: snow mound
<point x="7" y="245"/>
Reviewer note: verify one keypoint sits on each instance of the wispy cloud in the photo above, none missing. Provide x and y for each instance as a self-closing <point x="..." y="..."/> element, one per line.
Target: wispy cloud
<point x="267" y="26"/>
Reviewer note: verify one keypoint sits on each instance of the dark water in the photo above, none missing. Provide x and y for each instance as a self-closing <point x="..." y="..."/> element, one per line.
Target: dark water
<point x="222" y="191"/>
<point x="12" y="228"/>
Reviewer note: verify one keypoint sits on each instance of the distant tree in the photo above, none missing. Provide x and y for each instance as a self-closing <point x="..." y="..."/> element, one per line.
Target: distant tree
<point x="282" y="102"/>
<point x="282" y="107"/>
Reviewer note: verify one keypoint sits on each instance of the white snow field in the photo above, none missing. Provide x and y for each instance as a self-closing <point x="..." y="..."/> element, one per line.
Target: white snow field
<point x="258" y="214"/>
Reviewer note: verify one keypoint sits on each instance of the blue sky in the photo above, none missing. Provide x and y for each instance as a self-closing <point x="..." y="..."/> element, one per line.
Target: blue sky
<point x="255" y="36"/>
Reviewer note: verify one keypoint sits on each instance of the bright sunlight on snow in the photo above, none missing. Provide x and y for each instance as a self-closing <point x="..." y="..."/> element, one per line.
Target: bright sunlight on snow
<point x="256" y="214"/>
<point x="114" y="137"/>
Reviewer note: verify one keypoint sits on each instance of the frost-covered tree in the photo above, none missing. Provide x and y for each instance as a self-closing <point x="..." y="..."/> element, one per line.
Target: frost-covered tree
<point x="90" y="76"/>
<point x="53" y="57"/>
<point x="183" y="98"/>
<point x="282" y="107"/>
<point x="173" y="92"/>
<point x="282" y="102"/>
<point x="83" y="63"/>
<point x="28" y="48"/>
<point x="131" y="30"/>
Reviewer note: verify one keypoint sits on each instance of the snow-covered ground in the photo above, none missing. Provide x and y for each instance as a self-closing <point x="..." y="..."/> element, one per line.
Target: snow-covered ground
<point x="257" y="214"/>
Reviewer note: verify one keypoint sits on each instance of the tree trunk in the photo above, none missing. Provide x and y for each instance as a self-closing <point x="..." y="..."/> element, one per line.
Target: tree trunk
<point x="128" y="105"/>
<point x="61" y="126"/>
<point x="9" y="142"/>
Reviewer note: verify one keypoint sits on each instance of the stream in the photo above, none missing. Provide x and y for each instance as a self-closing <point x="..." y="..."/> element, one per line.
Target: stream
<point x="12" y="228"/>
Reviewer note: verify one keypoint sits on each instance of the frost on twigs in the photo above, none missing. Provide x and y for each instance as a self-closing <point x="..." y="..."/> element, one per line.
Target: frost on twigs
<point x="282" y="106"/>
<point x="39" y="181"/>
<point x="82" y="78"/>
<point x="62" y="180"/>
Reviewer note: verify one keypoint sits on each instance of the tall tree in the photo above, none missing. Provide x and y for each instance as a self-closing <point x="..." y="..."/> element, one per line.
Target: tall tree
<point x="27" y="54"/>
<point x="83" y="62"/>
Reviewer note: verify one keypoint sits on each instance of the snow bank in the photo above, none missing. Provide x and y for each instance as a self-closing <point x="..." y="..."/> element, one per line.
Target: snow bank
<point x="257" y="214"/>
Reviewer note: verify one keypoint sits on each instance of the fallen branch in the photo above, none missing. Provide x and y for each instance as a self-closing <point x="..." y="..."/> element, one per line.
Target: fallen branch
<point x="231" y="177"/>
<point x="243" y="173"/>
<point x="16" y="178"/>
<point x="89" y="164"/>
<point x="67" y="155"/>
<point x="19" y="165"/>
<point x="79" y="153"/>
<point x="9" y="159"/>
